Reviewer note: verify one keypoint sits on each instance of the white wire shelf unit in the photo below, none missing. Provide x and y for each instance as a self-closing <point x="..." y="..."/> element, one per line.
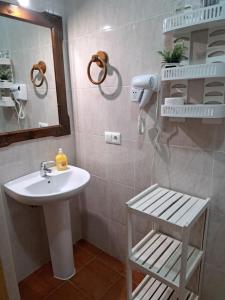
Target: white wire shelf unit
<point x="212" y="70"/>
<point x="203" y="111"/>
<point x="152" y="289"/>
<point x="197" y="19"/>
<point x="170" y="261"/>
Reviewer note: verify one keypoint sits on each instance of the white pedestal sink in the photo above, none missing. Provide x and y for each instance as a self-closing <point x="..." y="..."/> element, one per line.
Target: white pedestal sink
<point x="53" y="193"/>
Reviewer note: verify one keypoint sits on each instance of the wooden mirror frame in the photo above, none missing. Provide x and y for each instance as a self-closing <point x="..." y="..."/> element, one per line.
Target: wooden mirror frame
<point x="54" y="23"/>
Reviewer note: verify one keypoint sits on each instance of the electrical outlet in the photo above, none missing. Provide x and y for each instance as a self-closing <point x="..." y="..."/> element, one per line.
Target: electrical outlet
<point x="20" y="91"/>
<point x="113" y="138"/>
<point x="116" y="138"/>
<point x="136" y="94"/>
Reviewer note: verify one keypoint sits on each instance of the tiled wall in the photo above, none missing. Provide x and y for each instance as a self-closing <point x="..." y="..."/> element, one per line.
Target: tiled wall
<point x="191" y="156"/>
<point x="26" y="224"/>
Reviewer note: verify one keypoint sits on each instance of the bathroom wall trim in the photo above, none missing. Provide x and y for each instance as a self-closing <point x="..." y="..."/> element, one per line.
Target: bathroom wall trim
<point x="54" y="23"/>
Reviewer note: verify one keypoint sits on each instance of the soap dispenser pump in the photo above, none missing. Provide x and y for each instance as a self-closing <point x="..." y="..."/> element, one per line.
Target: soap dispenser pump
<point x="61" y="160"/>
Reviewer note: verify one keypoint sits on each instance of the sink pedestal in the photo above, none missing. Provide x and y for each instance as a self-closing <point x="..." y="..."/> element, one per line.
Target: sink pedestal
<point x="53" y="193"/>
<point x="58" y="224"/>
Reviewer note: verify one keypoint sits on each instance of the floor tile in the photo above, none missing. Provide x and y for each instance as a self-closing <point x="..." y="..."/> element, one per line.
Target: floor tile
<point x="67" y="292"/>
<point x="82" y="257"/>
<point x="114" y="263"/>
<point x="117" y="291"/>
<point x="39" y="284"/>
<point x="89" y="247"/>
<point x="138" y="276"/>
<point x="98" y="275"/>
<point x="111" y="261"/>
<point x="95" y="279"/>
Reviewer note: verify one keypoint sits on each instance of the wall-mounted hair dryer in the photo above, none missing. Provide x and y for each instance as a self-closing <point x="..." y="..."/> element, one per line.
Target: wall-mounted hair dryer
<point x="143" y="87"/>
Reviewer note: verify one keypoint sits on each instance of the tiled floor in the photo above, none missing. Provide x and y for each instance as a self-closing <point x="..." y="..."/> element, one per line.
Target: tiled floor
<point x="99" y="277"/>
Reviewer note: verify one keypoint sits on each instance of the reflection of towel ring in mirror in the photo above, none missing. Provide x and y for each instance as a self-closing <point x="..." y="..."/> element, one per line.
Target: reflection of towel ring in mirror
<point x="41" y="68"/>
<point x="101" y="59"/>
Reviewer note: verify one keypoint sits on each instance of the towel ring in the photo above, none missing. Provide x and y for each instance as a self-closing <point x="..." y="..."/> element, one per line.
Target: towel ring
<point x="101" y="59"/>
<point x="41" y="68"/>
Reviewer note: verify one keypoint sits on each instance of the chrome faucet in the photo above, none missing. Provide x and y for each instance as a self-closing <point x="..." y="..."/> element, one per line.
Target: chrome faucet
<point x="44" y="168"/>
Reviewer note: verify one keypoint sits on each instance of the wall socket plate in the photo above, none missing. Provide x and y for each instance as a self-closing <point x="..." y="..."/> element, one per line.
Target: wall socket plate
<point x="20" y="91"/>
<point x="113" y="138"/>
<point x="136" y="94"/>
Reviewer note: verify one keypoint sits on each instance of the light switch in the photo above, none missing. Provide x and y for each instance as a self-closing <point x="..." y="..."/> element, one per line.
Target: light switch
<point x="113" y="138"/>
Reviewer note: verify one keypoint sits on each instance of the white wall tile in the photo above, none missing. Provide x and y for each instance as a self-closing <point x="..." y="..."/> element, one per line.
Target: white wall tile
<point x="95" y="155"/>
<point x="183" y="169"/>
<point x="117" y="195"/>
<point x="218" y="199"/>
<point x="144" y="164"/>
<point x="215" y="254"/>
<point x="120" y="163"/>
<point x="95" y="229"/>
<point x="213" y="287"/>
<point x="117" y="243"/>
<point x="94" y="200"/>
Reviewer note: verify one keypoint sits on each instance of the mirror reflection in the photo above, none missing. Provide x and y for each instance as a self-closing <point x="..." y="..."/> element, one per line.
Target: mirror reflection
<point x="28" y="96"/>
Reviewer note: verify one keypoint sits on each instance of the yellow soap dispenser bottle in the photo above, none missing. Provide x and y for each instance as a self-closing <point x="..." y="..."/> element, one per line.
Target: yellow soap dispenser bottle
<point x="61" y="160"/>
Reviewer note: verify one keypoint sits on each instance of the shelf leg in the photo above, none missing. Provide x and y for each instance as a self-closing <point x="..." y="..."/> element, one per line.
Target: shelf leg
<point x="203" y="248"/>
<point x="184" y="257"/>
<point x="129" y="251"/>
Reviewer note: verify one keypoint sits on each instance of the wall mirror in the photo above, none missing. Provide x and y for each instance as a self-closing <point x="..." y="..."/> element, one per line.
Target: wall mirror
<point x="32" y="82"/>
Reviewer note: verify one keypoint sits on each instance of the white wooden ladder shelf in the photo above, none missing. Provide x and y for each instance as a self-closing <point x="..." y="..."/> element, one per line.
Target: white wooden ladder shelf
<point x="167" y="262"/>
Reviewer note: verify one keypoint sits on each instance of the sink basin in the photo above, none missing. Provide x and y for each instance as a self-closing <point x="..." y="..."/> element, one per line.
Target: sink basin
<point x="53" y="193"/>
<point x="33" y="189"/>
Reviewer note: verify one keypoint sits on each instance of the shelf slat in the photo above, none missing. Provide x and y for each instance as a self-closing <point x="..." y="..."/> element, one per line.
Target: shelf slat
<point x="148" y="249"/>
<point x="161" y="257"/>
<point x="170" y="203"/>
<point x="169" y="206"/>
<point x="152" y="289"/>
<point x="198" y="206"/>
<point x="153" y="206"/>
<point x="150" y="198"/>
<point x="166" y="255"/>
<point x="177" y="206"/>
<point x="183" y="210"/>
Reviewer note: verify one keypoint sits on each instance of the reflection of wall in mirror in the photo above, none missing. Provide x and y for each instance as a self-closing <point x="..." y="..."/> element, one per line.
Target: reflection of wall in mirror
<point x="28" y="44"/>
